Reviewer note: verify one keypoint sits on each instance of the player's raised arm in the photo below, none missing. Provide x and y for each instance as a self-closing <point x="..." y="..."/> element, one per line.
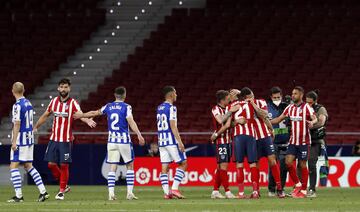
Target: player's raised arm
<point x="221" y="130"/>
<point x="283" y="116"/>
<point x="91" y="123"/>
<point x="45" y="115"/>
<point x="262" y="113"/>
<point x="90" y="114"/>
<point x="278" y="119"/>
<point x="42" y="120"/>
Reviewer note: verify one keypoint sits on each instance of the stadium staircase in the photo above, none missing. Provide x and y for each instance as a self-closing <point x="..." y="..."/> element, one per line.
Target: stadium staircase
<point x="127" y="24"/>
<point x="231" y="44"/>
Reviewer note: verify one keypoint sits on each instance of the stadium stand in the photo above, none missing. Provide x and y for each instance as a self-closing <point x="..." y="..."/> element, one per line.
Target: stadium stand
<point x="231" y="44"/>
<point x="39" y="35"/>
<point x="98" y="54"/>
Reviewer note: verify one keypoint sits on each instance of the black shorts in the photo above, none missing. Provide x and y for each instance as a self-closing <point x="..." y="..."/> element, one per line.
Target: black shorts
<point x="223" y="153"/>
<point x="58" y="152"/>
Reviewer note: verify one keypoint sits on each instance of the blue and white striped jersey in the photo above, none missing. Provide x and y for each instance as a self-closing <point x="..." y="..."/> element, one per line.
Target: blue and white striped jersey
<point x="23" y="112"/>
<point x="118" y="126"/>
<point x="165" y="113"/>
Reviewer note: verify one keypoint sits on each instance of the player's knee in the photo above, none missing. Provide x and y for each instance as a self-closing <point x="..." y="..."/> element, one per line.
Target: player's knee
<point x="239" y="165"/>
<point x="303" y="163"/>
<point x="272" y="161"/>
<point x="165" y="168"/>
<point x="13" y="165"/>
<point x="130" y="166"/>
<point x="183" y="165"/>
<point x="224" y="166"/>
<point x="252" y="165"/>
<point x="27" y="166"/>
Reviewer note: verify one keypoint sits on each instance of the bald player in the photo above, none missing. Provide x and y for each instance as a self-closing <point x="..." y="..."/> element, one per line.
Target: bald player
<point x="22" y="144"/>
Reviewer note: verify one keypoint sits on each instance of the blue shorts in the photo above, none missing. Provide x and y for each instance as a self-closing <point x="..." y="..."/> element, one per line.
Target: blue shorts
<point x="245" y="146"/>
<point x="299" y="151"/>
<point x="265" y="147"/>
<point x="58" y="152"/>
<point x="223" y="153"/>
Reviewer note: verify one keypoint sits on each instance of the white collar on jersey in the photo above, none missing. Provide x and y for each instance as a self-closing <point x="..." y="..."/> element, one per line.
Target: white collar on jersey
<point x="23" y="97"/>
<point x="168" y="102"/>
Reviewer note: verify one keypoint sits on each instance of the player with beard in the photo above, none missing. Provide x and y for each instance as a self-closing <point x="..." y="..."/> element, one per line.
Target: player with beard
<point x="302" y="117"/>
<point x="58" y="152"/>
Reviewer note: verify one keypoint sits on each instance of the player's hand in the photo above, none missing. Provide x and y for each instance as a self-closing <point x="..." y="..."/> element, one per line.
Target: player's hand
<point x="181" y="147"/>
<point x="35" y="130"/>
<point x="235" y="108"/>
<point x="241" y="121"/>
<point x="234" y="92"/>
<point x="310" y="124"/>
<point x="91" y="123"/>
<point x="14" y="147"/>
<point x="141" y="140"/>
<point x="213" y="137"/>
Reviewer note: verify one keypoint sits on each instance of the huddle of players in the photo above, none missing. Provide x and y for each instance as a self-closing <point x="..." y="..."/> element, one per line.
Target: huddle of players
<point x="119" y="148"/>
<point x="238" y="117"/>
<point x="243" y="129"/>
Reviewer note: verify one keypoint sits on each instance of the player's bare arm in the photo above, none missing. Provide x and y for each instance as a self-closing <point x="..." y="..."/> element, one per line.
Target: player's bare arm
<point x="259" y="112"/>
<point x="321" y="120"/>
<point x="41" y="120"/>
<point x="221" y="130"/>
<point x="16" y="130"/>
<point x="269" y="125"/>
<point x="241" y="120"/>
<point x="278" y="119"/>
<point x="313" y="121"/>
<point x="90" y="114"/>
<point x="228" y="114"/>
<point x="135" y="128"/>
<point x="176" y="133"/>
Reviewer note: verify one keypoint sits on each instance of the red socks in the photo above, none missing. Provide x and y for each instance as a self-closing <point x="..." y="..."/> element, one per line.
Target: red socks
<point x="64" y="176"/>
<point x="292" y="173"/>
<point x="55" y="170"/>
<point x="240" y="179"/>
<point x="255" y="178"/>
<point x="304" y="178"/>
<point x="221" y="178"/>
<point x="276" y="174"/>
<point x="224" y="179"/>
<point x="217" y="181"/>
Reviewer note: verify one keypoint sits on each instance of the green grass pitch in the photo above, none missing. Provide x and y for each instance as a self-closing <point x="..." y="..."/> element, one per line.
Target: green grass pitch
<point x="94" y="198"/>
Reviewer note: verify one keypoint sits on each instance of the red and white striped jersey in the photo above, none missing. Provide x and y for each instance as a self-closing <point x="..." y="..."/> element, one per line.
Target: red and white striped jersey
<point x="223" y="138"/>
<point x="261" y="129"/>
<point x="298" y="115"/>
<point x="63" y="118"/>
<point x="248" y="112"/>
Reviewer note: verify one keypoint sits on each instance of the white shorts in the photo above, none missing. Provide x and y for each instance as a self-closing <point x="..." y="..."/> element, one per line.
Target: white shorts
<point x="171" y="153"/>
<point x="23" y="154"/>
<point x="119" y="153"/>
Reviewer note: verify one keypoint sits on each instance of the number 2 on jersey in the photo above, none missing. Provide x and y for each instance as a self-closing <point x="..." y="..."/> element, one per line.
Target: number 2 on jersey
<point x="162" y="122"/>
<point x="115" y="119"/>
